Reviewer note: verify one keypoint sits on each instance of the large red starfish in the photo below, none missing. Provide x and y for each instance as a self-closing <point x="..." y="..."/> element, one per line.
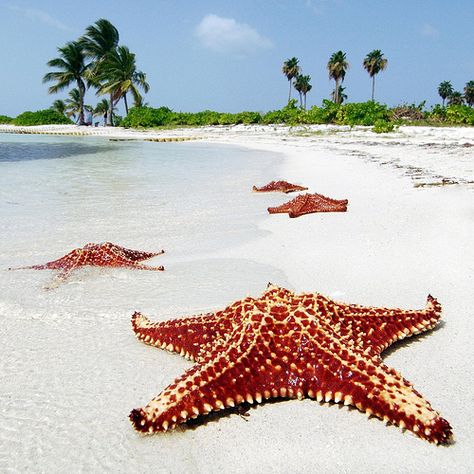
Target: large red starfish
<point x="293" y="346"/>
<point x="279" y="186"/>
<point x="105" y="254"/>
<point x="309" y="203"/>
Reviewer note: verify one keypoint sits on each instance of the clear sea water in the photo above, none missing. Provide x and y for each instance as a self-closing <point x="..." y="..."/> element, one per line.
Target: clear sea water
<point x="71" y="369"/>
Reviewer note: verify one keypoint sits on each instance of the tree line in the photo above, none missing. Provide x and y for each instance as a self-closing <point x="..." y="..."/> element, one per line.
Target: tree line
<point x="337" y="66"/>
<point x="447" y="92"/>
<point x="97" y="60"/>
<point x="373" y="63"/>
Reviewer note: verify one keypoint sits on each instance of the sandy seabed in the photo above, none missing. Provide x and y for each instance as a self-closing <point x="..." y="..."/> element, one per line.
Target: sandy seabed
<point x="408" y="232"/>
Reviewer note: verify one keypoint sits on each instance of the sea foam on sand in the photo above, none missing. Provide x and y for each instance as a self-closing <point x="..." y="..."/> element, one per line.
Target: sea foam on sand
<point x="68" y="385"/>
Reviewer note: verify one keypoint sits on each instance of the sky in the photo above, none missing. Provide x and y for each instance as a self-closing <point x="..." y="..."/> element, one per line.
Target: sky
<point x="227" y="55"/>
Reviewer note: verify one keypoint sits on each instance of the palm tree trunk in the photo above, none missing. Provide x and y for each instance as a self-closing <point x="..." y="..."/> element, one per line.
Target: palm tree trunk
<point x="443" y="101"/>
<point x="373" y="87"/>
<point x="111" y="109"/>
<point x="336" y="92"/>
<point x="289" y="92"/>
<point x="82" y="92"/>
<point x="125" y="102"/>
<point x="304" y="95"/>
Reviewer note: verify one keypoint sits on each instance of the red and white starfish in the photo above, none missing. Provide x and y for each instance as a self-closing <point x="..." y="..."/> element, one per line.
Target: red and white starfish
<point x="309" y="203"/>
<point x="291" y="346"/>
<point x="105" y="254"/>
<point x="279" y="186"/>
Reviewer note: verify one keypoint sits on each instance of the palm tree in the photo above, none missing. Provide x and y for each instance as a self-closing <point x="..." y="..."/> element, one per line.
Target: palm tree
<point x="337" y="67"/>
<point x="469" y="93"/>
<point x="59" y="106"/>
<point x="445" y="89"/>
<point x="72" y="69"/>
<point x="455" y="98"/>
<point x="118" y="75"/>
<point x="303" y="86"/>
<point x="290" y="69"/>
<point x="99" y="40"/>
<point x="342" y="95"/>
<point x="373" y="63"/>
<point x="102" y="109"/>
<point x="73" y="104"/>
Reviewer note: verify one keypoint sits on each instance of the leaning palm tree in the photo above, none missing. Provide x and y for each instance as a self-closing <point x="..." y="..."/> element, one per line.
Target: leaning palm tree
<point x="73" y="68"/>
<point x="469" y="93"/>
<point x="337" y="67"/>
<point x="290" y="69"/>
<point x="373" y="63"/>
<point x="118" y="75"/>
<point x="303" y="86"/>
<point x="455" y="98"/>
<point x="100" y="40"/>
<point x="59" y="106"/>
<point x="445" y="89"/>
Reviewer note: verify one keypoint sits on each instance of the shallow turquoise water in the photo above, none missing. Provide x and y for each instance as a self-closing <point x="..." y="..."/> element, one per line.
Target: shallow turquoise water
<point x="71" y="369"/>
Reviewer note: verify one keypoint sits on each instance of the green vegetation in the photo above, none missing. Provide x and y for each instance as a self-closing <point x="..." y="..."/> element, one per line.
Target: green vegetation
<point x="5" y="119"/>
<point x="352" y="114"/>
<point x="41" y="117"/>
<point x="383" y="126"/>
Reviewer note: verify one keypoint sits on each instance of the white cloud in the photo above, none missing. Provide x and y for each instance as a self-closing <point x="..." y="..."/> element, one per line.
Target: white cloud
<point x="41" y="17"/>
<point x="225" y="35"/>
<point x="429" y="31"/>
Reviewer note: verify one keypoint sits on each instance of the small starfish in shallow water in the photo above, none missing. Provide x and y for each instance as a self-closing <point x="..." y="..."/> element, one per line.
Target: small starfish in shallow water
<point x="309" y="203"/>
<point x="105" y="254"/>
<point x="291" y="346"/>
<point x="279" y="186"/>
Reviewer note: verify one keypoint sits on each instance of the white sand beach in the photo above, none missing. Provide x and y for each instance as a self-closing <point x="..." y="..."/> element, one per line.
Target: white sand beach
<point x="69" y="376"/>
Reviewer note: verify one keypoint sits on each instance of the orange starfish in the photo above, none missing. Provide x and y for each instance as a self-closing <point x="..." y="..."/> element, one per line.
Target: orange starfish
<point x="279" y="186"/>
<point x="291" y="346"/>
<point x="309" y="203"/>
<point x="105" y="254"/>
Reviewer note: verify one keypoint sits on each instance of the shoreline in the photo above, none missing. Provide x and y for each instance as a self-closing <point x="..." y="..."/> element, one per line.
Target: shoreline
<point x="412" y="148"/>
<point x="396" y="243"/>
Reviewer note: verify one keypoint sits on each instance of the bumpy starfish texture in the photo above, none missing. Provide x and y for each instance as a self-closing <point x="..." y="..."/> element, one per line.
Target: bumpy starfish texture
<point x="309" y="203"/>
<point x="292" y="346"/>
<point x="105" y="254"/>
<point x="279" y="186"/>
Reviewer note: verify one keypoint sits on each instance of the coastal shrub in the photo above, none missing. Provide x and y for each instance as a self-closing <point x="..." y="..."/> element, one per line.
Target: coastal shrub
<point x="437" y="114"/>
<point x="290" y="114"/>
<point x="383" y="126"/>
<point x="322" y="115"/>
<point x="5" y="119"/>
<point x="147" y="117"/>
<point x="362" y="113"/>
<point x="460" y="114"/>
<point x="409" y="112"/>
<point x="41" y="117"/>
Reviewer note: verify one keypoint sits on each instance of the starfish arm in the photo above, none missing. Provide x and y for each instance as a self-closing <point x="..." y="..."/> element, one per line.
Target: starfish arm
<point x="377" y="390"/>
<point x="321" y="366"/>
<point x="374" y="329"/>
<point x="185" y="336"/>
<point x="132" y="255"/>
<point x="226" y="377"/>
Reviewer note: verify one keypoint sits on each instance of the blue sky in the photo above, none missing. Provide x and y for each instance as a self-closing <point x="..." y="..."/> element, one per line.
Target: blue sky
<point x="227" y="55"/>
